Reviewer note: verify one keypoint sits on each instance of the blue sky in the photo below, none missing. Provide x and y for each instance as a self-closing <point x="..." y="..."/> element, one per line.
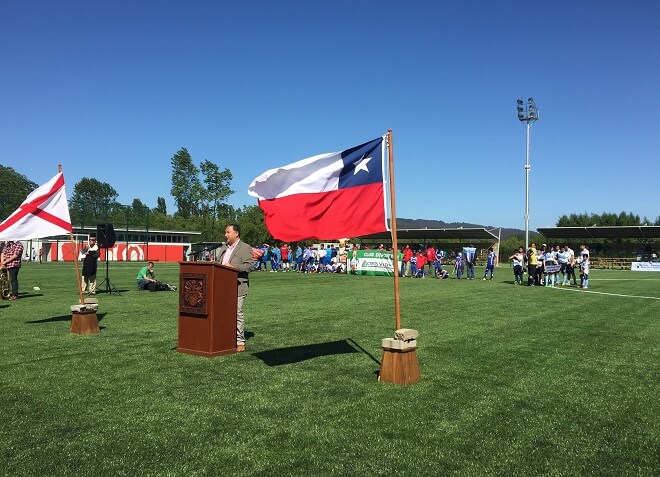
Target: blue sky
<point x="113" y="89"/>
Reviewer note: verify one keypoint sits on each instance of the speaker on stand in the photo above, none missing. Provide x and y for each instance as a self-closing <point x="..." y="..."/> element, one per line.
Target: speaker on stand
<point x="106" y="238"/>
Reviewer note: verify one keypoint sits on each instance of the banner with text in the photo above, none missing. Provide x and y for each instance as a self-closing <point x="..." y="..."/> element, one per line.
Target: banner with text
<point x="371" y="262"/>
<point x="645" y="266"/>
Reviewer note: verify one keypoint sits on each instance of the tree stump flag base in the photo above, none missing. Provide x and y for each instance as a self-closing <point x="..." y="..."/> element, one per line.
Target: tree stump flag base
<point x="399" y="364"/>
<point x="84" y="320"/>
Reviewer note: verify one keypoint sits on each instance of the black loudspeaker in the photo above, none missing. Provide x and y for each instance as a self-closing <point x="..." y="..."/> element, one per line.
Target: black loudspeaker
<point x="105" y="235"/>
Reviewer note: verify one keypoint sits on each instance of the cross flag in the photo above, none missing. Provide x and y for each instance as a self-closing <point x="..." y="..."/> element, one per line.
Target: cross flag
<point x="340" y="194"/>
<point x="43" y="214"/>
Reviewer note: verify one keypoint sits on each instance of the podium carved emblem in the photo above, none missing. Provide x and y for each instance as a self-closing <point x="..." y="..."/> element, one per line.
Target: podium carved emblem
<point x="193" y="295"/>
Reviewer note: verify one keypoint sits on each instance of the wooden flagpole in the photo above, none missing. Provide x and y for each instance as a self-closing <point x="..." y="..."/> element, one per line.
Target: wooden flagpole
<point x="399" y="364"/>
<point x="74" y="246"/>
<point x="395" y="244"/>
<point x="75" y="260"/>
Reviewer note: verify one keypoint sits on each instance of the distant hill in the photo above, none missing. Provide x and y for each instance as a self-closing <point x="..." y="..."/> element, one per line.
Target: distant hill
<point x="402" y="223"/>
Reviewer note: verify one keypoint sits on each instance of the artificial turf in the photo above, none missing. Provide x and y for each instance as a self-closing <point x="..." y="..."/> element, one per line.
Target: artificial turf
<point x="516" y="381"/>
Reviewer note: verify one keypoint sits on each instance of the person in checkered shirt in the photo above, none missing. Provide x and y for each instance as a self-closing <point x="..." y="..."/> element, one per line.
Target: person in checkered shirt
<point x="11" y="260"/>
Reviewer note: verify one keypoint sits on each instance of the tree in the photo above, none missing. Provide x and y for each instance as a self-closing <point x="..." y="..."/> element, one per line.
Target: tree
<point x="186" y="188"/>
<point x="217" y="186"/>
<point x="253" y="228"/>
<point x="604" y="219"/>
<point x="139" y="212"/>
<point x="15" y="188"/>
<point x="93" y="202"/>
<point x="510" y="245"/>
<point x="160" y="206"/>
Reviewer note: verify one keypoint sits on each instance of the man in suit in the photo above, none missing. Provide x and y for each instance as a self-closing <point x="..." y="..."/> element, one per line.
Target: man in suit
<point x="237" y="254"/>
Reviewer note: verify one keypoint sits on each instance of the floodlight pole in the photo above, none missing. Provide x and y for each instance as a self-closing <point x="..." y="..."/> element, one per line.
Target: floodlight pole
<point x="527" y="115"/>
<point x="527" y="169"/>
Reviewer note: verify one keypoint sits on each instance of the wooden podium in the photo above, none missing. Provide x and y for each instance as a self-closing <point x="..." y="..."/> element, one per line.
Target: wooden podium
<point x="208" y="297"/>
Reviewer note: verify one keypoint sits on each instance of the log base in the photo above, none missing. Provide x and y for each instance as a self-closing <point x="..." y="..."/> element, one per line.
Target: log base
<point x="84" y="322"/>
<point x="399" y="366"/>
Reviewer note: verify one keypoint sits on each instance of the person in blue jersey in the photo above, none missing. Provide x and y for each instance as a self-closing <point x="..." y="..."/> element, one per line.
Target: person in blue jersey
<point x="308" y="260"/>
<point x="264" y="258"/>
<point x="491" y="261"/>
<point x="275" y="258"/>
<point x="299" y="258"/>
<point x="470" y="257"/>
<point x="413" y="265"/>
<point x="458" y="264"/>
<point x="439" y="256"/>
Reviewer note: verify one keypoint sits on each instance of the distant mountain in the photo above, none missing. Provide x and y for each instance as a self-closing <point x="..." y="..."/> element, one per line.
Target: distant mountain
<point x="402" y="223"/>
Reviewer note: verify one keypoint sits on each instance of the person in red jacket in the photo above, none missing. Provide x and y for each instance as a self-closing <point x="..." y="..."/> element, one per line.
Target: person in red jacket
<point x="285" y="251"/>
<point x="407" y="255"/>
<point x="430" y="257"/>
<point x="421" y="262"/>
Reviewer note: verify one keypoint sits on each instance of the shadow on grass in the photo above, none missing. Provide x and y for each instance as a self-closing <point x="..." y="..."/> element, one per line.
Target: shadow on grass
<point x="99" y="317"/>
<point x="296" y="354"/>
<point x="23" y="296"/>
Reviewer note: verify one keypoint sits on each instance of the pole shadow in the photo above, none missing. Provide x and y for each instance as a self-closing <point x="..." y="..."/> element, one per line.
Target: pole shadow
<point x="296" y="354"/>
<point x="54" y="319"/>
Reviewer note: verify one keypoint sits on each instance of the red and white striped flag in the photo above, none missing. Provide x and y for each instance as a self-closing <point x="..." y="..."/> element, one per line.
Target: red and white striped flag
<point x="44" y="213"/>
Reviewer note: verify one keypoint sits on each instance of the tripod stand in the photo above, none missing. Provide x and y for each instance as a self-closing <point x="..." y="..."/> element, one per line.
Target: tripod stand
<point x="109" y="287"/>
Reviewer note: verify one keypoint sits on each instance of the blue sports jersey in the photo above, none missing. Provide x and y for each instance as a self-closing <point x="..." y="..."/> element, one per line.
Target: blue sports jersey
<point x="490" y="260"/>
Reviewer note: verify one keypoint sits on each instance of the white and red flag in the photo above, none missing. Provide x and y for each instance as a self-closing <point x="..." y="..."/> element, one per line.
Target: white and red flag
<point x="44" y="213"/>
<point x="340" y="194"/>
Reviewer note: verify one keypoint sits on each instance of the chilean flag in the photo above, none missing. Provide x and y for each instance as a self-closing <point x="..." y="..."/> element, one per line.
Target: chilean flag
<point x="328" y="196"/>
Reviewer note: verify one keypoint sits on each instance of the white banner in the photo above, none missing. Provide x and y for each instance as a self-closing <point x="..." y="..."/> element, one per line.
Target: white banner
<point x="645" y="266"/>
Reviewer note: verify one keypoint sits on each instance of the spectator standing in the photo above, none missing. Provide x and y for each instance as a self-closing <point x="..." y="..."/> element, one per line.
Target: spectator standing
<point x="421" y="262"/>
<point x="562" y="258"/>
<point x="264" y="258"/>
<point x="531" y="265"/>
<point x="491" y="261"/>
<point x="518" y="259"/>
<point x="570" y="266"/>
<point x="285" y="253"/>
<point x="299" y="258"/>
<point x="431" y="257"/>
<point x="539" y="265"/>
<point x="584" y="268"/>
<point x="549" y="261"/>
<point x="90" y="263"/>
<point x="275" y="258"/>
<point x="407" y="255"/>
<point x="321" y="255"/>
<point x="11" y="260"/>
<point x="458" y="264"/>
<point x="470" y="256"/>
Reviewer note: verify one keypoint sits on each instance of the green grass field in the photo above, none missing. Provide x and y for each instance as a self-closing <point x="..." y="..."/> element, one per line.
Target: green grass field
<point x="516" y="381"/>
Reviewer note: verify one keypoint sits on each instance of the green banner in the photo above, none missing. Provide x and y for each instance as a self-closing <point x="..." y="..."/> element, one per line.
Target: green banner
<point x="371" y="262"/>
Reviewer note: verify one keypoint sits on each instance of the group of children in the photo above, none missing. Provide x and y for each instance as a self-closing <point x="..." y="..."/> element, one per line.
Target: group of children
<point x="414" y="262"/>
<point x="306" y="259"/>
<point x="544" y="266"/>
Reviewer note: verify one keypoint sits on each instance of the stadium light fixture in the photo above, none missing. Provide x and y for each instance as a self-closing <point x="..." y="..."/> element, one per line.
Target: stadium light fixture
<point x="528" y="113"/>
